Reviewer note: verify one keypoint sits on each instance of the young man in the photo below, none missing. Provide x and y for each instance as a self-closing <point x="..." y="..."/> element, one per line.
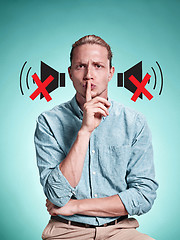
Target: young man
<point x="94" y="155"/>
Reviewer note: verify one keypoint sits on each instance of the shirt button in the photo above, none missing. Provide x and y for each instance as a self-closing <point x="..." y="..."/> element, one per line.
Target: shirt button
<point x="95" y="195"/>
<point x="94" y="173"/>
<point x="93" y="151"/>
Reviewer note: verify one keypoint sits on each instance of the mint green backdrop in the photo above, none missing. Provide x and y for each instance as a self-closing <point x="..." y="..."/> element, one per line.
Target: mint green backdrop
<point x="145" y="31"/>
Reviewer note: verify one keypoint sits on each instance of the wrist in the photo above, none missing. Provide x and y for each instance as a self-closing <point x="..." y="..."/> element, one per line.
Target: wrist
<point x="84" y="132"/>
<point x="75" y="207"/>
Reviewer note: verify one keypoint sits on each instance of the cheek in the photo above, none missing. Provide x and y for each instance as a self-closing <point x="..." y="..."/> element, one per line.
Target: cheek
<point x="78" y="78"/>
<point x="104" y="79"/>
<point x="78" y="74"/>
<point x="103" y="75"/>
<point x="77" y="83"/>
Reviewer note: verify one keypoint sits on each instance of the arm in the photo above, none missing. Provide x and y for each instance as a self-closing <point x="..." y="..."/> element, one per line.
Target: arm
<point x="140" y="194"/>
<point x="59" y="174"/>
<point x="49" y="155"/>
<point x="72" y="166"/>
<point x="100" y="207"/>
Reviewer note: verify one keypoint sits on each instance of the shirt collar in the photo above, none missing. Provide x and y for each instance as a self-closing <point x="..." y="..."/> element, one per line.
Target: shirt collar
<point x="78" y="110"/>
<point x="76" y="107"/>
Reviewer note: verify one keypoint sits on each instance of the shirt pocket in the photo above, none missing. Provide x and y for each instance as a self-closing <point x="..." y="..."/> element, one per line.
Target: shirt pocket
<point x="113" y="161"/>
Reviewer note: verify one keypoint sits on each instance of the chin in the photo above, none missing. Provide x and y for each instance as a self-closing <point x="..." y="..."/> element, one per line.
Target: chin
<point x="95" y="95"/>
<point x="100" y="94"/>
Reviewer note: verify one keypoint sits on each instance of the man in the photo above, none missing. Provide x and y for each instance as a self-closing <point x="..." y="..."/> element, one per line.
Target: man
<point x="94" y="155"/>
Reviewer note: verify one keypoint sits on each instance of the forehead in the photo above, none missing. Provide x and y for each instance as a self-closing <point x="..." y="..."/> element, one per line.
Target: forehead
<point x="92" y="52"/>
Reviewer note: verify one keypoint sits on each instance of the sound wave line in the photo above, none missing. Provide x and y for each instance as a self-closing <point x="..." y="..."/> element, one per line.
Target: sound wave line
<point x="27" y="77"/>
<point x="155" y="77"/>
<point x="161" y="77"/>
<point x="21" y="77"/>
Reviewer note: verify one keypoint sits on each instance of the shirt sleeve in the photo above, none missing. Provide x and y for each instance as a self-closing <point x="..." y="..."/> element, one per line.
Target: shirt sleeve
<point x="140" y="194"/>
<point x="49" y="155"/>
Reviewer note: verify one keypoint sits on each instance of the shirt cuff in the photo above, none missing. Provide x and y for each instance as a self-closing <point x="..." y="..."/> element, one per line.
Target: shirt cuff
<point x="58" y="190"/>
<point x="130" y="202"/>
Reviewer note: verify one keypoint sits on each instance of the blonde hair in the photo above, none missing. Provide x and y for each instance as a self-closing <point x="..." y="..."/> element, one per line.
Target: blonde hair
<point x="92" y="39"/>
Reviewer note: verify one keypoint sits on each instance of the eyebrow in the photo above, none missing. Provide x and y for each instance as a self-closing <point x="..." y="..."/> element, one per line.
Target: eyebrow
<point x="93" y="62"/>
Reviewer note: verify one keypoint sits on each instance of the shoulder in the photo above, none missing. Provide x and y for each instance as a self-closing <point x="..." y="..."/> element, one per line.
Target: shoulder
<point x="129" y="115"/>
<point x="56" y="113"/>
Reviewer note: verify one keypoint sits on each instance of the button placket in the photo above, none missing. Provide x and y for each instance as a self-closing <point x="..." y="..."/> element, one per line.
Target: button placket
<point x="92" y="166"/>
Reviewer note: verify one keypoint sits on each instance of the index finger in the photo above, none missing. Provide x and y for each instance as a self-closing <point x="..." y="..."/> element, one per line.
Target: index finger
<point x="88" y="91"/>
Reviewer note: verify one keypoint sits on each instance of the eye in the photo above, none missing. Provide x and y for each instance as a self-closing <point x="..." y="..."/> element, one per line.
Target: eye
<point x="98" y="65"/>
<point x="80" y="66"/>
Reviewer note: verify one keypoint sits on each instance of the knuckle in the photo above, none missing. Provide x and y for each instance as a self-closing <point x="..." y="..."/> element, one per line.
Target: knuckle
<point x="101" y="105"/>
<point x="85" y="106"/>
<point x="98" y="104"/>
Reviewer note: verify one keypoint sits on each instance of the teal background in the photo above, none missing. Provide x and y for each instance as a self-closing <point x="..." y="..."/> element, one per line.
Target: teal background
<point x="45" y="30"/>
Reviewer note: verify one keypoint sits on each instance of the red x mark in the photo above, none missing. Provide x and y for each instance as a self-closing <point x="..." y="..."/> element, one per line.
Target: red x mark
<point x="41" y="87"/>
<point x="140" y="87"/>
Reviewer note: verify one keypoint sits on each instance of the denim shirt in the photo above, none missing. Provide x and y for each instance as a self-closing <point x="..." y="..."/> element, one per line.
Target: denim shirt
<point x="119" y="159"/>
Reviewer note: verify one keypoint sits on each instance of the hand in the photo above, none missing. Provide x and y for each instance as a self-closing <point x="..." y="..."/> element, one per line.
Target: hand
<point x="94" y="110"/>
<point x="66" y="210"/>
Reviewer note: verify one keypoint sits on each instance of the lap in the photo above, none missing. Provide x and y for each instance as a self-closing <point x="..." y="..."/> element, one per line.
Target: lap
<point x="58" y="230"/>
<point x="130" y="234"/>
<point x="125" y="230"/>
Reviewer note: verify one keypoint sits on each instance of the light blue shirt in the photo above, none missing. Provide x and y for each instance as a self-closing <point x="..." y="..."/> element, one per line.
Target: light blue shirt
<point x="119" y="159"/>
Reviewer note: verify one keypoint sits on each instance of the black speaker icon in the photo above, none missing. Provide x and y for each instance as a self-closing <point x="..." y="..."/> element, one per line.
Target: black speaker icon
<point x="46" y="71"/>
<point x="123" y="79"/>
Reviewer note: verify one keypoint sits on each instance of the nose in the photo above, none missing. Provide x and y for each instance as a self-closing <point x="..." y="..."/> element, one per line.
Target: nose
<point x="88" y="73"/>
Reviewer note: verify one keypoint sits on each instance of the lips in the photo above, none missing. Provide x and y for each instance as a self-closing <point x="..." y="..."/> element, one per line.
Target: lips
<point x="92" y="85"/>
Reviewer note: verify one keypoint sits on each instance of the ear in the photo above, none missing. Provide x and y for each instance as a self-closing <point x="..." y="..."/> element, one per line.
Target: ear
<point x="111" y="73"/>
<point x="69" y="71"/>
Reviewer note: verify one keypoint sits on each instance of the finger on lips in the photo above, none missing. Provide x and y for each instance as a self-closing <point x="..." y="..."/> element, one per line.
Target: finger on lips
<point x="97" y="99"/>
<point x="88" y="91"/>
